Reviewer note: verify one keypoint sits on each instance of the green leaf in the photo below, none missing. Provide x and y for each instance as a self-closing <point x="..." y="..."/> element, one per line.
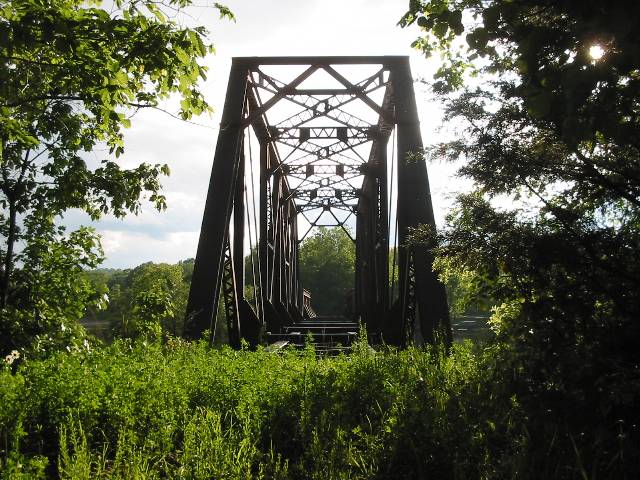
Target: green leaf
<point x="425" y="22"/>
<point x="197" y="42"/>
<point x="539" y="104"/>
<point x="225" y="12"/>
<point x="120" y="79"/>
<point x="440" y="28"/>
<point x="156" y="12"/>
<point x="478" y="39"/>
<point x="182" y="55"/>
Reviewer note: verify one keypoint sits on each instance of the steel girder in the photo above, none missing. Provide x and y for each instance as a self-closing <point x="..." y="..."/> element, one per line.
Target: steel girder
<point x="318" y="172"/>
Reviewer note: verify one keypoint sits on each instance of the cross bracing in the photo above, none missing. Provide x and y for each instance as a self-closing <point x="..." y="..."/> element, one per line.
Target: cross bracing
<point x="332" y="138"/>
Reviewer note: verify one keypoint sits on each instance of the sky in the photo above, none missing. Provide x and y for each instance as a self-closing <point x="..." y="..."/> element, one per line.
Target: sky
<point x="262" y="28"/>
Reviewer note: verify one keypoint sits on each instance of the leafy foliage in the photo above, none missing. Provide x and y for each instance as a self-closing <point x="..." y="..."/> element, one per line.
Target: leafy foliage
<point x="52" y="293"/>
<point x="157" y="294"/>
<point x="152" y="410"/>
<point x="146" y="300"/>
<point x="327" y="262"/>
<point x="552" y="231"/>
<point x="71" y="76"/>
<point x="157" y="410"/>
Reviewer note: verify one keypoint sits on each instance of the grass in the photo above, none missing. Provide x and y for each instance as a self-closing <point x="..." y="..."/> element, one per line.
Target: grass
<point x="186" y="411"/>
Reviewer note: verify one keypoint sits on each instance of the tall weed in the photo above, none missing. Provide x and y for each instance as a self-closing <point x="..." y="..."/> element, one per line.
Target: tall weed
<point x="178" y="410"/>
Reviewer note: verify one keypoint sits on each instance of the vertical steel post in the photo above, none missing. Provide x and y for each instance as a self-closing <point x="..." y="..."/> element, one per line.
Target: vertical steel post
<point x="415" y="209"/>
<point x="238" y="225"/>
<point x="381" y="237"/>
<point x="205" y="286"/>
<point x="265" y="270"/>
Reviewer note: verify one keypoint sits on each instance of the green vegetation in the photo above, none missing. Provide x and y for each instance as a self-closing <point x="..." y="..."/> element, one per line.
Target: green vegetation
<point x="327" y="262"/>
<point x="549" y="240"/>
<point x="179" y="410"/>
<point x="71" y="76"/>
<point x="148" y="298"/>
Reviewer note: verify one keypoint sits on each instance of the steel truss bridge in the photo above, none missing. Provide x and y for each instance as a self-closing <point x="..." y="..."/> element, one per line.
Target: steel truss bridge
<point x="307" y="142"/>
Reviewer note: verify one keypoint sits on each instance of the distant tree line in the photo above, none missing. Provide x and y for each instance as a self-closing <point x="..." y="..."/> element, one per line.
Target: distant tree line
<point x="150" y="297"/>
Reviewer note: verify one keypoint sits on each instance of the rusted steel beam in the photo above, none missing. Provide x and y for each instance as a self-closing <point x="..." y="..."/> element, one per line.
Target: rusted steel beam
<point x="359" y="92"/>
<point x="322" y="163"/>
<point x="330" y="60"/>
<point x="414" y="209"/>
<point x="205" y="286"/>
<point x="278" y="96"/>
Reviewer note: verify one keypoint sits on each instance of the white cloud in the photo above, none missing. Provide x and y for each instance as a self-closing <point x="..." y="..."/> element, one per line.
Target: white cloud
<point x="128" y="249"/>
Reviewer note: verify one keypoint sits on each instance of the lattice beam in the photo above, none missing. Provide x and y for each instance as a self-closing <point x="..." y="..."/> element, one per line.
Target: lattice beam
<point x="320" y="162"/>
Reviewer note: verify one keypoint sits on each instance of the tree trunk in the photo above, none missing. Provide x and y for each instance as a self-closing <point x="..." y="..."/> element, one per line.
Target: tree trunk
<point x="8" y="259"/>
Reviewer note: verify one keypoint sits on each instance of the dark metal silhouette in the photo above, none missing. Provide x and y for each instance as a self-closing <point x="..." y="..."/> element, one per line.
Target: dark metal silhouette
<point x="311" y="162"/>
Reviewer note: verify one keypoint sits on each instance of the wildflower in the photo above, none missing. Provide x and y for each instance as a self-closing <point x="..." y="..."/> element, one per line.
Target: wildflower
<point x="62" y="327"/>
<point x="12" y="357"/>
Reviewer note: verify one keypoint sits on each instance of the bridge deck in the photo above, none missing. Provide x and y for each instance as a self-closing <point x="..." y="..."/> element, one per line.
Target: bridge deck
<point x="329" y="335"/>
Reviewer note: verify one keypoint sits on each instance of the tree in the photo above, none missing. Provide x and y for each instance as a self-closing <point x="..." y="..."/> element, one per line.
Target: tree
<point x="553" y="126"/>
<point x="51" y="292"/>
<point x="158" y="295"/>
<point x="327" y="262"/>
<point x="71" y="76"/>
<point x="148" y="298"/>
<point x="557" y="123"/>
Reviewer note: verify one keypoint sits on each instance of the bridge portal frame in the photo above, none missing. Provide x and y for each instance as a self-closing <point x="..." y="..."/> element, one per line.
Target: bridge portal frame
<point x="418" y="312"/>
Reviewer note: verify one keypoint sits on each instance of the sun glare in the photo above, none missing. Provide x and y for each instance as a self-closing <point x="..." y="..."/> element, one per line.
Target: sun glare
<point x="596" y="52"/>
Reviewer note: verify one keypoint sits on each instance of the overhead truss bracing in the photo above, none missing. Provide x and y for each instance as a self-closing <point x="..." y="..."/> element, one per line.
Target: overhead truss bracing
<point x="307" y="142"/>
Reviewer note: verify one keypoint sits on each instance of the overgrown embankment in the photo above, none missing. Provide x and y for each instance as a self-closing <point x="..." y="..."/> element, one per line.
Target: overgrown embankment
<point x="180" y="410"/>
